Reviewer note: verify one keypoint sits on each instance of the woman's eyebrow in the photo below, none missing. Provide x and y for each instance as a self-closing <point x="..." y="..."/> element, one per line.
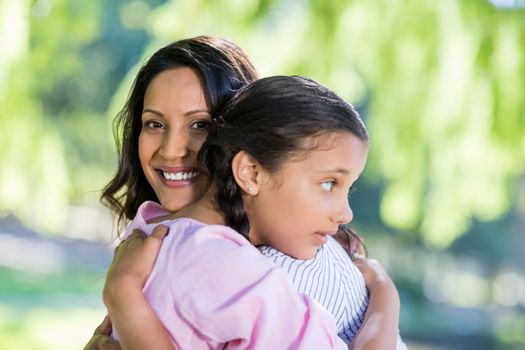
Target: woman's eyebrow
<point x="196" y="111"/>
<point x="188" y="113"/>
<point x="149" y="110"/>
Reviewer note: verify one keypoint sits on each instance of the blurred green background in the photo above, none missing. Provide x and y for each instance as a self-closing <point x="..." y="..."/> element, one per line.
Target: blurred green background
<point x="442" y="202"/>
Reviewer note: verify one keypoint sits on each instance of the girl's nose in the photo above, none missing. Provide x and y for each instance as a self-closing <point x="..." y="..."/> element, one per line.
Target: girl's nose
<point x="174" y="145"/>
<point x="343" y="213"/>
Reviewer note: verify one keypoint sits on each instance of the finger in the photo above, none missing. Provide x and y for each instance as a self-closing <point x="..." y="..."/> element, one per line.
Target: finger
<point x="160" y="232"/>
<point x="137" y="234"/>
<point x="108" y="343"/>
<point x="102" y="342"/>
<point x="118" y="247"/>
<point x="358" y="259"/>
<point x="372" y="261"/>
<point x="154" y="241"/>
<point x="105" y="327"/>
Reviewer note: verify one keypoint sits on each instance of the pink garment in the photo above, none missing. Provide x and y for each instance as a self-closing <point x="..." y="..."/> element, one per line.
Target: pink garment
<point x="210" y="286"/>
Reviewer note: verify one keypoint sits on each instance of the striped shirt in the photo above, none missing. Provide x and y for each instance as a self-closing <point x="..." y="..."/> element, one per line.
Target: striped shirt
<point x="332" y="279"/>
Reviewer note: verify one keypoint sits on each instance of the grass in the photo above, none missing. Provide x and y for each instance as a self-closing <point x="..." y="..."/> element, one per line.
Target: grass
<point x="49" y="311"/>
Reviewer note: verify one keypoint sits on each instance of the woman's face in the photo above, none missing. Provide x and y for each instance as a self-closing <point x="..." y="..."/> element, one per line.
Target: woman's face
<point x="175" y="121"/>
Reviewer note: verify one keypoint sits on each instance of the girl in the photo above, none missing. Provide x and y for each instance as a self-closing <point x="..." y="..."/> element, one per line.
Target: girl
<point x="318" y="149"/>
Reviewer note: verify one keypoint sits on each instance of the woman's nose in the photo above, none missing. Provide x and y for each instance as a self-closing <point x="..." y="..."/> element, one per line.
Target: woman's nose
<point x="174" y="145"/>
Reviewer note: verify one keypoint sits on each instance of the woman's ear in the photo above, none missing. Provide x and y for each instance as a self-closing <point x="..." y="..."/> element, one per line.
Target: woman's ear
<point x="245" y="170"/>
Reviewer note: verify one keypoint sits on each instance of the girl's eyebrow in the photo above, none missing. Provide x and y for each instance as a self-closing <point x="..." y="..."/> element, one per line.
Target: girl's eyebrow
<point x="336" y="170"/>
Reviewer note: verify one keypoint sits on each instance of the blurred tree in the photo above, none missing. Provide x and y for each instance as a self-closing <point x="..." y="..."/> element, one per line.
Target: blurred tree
<point x="33" y="174"/>
<point x="441" y="82"/>
<point x="446" y="109"/>
<point x="61" y="63"/>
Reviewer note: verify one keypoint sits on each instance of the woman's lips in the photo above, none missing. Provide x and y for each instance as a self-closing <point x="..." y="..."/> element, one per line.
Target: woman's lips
<point x="178" y="177"/>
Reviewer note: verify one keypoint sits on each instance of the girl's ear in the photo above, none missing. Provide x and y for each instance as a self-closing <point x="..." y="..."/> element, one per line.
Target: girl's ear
<point x="245" y="170"/>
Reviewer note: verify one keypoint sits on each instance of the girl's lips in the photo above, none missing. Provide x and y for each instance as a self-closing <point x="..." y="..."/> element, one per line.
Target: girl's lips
<point x="322" y="237"/>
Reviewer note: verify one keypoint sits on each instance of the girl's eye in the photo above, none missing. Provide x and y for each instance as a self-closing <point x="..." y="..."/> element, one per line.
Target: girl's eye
<point x="328" y="186"/>
<point x="351" y="190"/>
<point x="203" y="125"/>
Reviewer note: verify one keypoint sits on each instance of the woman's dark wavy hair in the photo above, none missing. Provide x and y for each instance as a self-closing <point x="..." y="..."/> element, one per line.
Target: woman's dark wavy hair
<point x="270" y="119"/>
<point x="224" y="68"/>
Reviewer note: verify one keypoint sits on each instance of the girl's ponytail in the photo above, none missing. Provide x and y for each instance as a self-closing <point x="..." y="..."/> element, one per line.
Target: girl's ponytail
<point x="216" y="155"/>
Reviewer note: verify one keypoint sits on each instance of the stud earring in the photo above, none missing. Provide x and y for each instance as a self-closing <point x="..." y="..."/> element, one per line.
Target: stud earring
<point x="250" y="189"/>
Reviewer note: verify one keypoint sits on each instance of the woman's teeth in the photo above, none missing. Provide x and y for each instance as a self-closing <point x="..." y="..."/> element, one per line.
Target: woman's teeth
<point x="180" y="175"/>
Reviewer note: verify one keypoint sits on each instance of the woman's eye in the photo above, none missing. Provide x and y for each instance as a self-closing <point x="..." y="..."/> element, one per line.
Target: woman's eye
<point x="328" y="186"/>
<point x="152" y="124"/>
<point x="201" y="125"/>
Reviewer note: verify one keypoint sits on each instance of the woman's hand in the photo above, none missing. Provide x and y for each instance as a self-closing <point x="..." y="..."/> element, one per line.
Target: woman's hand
<point x="101" y="339"/>
<point x="133" y="318"/>
<point x="373" y="272"/>
<point x="133" y="262"/>
<point x="380" y="326"/>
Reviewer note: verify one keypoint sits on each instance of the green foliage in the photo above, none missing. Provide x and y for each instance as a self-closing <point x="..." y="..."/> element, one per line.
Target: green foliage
<point x="28" y="184"/>
<point x="435" y="115"/>
<point x="439" y="83"/>
<point x="61" y="63"/>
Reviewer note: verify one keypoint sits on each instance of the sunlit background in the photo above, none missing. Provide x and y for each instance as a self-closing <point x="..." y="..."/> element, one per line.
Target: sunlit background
<point x="440" y="84"/>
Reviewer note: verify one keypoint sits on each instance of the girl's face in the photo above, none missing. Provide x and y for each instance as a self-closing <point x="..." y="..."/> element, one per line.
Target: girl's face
<point x="297" y="207"/>
<point x="175" y="122"/>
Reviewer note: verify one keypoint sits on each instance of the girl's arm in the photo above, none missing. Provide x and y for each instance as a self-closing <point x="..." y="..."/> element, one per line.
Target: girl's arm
<point x="381" y="324"/>
<point x="137" y="324"/>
